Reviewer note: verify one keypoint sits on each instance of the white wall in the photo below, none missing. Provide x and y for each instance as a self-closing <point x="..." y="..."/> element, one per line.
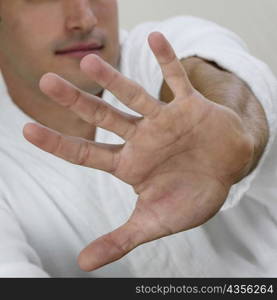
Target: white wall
<point x="254" y="20"/>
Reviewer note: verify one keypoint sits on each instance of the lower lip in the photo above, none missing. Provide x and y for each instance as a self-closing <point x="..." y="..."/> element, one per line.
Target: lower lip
<point x="80" y="54"/>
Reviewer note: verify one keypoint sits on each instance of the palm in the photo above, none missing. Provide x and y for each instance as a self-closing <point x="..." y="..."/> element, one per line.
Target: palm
<point x="180" y="170"/>
<point x="177" y="189"/>
<point x="149" y="146"/>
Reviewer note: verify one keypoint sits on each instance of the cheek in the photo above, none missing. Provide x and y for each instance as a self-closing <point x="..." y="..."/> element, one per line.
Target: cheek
<point x="37" y="26"/>
<point x="13" y="36"/>
<point x="21" y="34"/>
<point x="24" y="47"/>
<point x="108" y="14"/>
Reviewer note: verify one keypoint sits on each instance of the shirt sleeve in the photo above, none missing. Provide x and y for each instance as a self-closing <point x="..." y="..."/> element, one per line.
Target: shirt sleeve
<point x="17" y="258"/>
<point x="191" y="36"/>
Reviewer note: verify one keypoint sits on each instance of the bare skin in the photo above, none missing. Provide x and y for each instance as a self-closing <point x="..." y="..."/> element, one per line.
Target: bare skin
<point x="181" y="171"/>
<point x="31" y="33"/>
<point x="181" y="157"/>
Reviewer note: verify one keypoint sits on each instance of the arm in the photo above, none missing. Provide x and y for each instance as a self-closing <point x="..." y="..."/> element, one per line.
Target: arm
<point x="181" y="158"/>
<point x="227" y="89"/>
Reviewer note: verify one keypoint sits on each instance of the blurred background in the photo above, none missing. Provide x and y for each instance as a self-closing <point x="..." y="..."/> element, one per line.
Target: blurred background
<point x="255" y="21"/>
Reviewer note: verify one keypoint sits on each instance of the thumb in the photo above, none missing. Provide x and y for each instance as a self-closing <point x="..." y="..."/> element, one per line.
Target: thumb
<point x="111" y="246"/>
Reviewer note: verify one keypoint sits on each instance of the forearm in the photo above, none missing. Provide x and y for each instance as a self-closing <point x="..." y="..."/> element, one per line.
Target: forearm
<point x="227" y="89"/>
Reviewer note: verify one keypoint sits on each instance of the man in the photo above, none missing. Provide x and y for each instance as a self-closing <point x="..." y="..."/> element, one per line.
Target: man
<point x="179" y="165"/>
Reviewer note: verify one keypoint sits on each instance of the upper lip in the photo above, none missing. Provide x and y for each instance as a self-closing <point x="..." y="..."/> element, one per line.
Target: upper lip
<point x="81" y="47"/>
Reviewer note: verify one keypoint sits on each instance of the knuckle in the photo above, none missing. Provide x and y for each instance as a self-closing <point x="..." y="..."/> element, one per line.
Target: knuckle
<point x="116" y="159"/>
<point x="76" y="99"/>
<point x="114" y="242"/>
<point x="83" y="155"/>
<point x="156" y="112"/>
<point x="102" y="111"/>
<point x="133" y="94"/>
<point x="57" y="149"/>
<point x="114" y="78"/>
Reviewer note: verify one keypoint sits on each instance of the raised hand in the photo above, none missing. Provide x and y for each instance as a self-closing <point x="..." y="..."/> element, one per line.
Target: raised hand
<point x="181" y="158"/>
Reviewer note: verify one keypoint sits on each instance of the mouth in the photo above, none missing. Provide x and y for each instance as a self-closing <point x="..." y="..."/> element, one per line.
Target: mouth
<point x="81" y="50"/>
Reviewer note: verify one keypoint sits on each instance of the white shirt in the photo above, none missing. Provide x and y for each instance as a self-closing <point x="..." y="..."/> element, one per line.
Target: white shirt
<point x="50" y="209"/>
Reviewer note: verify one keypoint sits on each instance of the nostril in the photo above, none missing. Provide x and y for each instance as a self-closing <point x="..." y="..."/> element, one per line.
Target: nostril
<point x="81" y="17"/>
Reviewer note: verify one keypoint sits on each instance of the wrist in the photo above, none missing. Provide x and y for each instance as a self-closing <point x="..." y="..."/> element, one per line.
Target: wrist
<point x="248" y="147"/>
<point x="239" y="143"/>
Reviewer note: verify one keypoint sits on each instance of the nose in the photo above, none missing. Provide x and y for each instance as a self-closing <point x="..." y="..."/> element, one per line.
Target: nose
<point x="79" y="15"/>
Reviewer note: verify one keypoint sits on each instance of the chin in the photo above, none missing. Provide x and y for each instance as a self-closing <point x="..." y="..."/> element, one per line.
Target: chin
<point x="90" y="88"/>
<point x="83" y="83"/>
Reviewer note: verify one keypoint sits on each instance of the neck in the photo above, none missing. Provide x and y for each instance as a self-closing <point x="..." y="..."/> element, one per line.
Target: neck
<point x="45" y="111"/>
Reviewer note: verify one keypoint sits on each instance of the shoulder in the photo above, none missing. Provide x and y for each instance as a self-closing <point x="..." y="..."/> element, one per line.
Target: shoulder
<point x="168" y="26"/>
<point x="181" y="31"/>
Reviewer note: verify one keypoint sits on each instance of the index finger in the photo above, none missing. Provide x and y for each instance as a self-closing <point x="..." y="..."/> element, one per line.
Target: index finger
<point x="127" y="91"/>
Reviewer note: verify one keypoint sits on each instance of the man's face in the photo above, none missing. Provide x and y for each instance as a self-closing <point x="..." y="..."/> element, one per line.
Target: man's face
<point x="40" y="36"/>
